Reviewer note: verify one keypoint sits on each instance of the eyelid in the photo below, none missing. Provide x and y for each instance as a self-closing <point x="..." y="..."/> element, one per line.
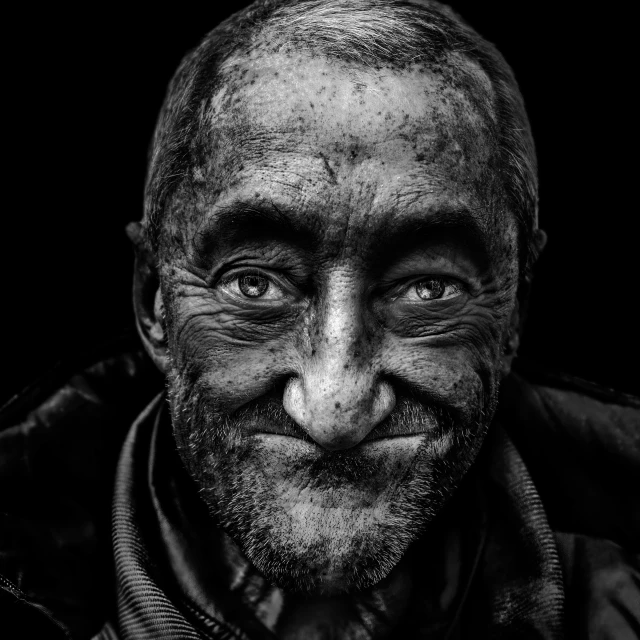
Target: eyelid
<point x="237" y="272"/>
<point x="228" y="273"/>
<point x="234" y="273"/>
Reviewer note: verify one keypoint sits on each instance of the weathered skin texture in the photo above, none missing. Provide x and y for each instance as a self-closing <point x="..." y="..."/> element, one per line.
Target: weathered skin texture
<point x="380" y="179"/>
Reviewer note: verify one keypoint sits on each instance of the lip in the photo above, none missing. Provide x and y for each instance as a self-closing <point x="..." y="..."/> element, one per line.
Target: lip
<point x="372" y="444"/>
<point x="389" y="433"/>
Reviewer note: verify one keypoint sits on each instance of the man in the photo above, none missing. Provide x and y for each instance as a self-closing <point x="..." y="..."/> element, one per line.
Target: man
<point x="331" y="275"/>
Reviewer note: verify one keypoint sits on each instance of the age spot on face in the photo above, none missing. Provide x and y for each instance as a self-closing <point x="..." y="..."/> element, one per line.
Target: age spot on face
<point x="351" y="308"/>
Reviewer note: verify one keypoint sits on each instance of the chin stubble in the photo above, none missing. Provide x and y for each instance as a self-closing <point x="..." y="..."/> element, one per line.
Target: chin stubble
<point x="233" y="480"/>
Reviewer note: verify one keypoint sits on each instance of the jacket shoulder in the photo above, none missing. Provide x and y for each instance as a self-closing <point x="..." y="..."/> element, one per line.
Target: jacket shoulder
<point x="59" y="444"/>
<point x="581" y="443"/>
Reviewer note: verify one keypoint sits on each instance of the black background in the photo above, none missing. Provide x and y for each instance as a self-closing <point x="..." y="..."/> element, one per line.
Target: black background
<point x="83" y="90"/>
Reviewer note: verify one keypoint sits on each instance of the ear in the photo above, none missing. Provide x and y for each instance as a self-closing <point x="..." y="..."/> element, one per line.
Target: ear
<point x="147" y="299"/>
<point x="539" y="242"/>
<point x="519" y="314"/>
<point x="512" y="340"/>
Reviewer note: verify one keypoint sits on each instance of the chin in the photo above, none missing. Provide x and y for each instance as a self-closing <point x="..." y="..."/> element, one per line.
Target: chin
<point x="322" y="562"/>
<point x="323" y="550"/>
<point x="333" y="531"/>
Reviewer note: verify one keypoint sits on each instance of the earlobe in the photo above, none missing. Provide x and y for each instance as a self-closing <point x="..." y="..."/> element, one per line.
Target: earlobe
<point x="147" y="300"/>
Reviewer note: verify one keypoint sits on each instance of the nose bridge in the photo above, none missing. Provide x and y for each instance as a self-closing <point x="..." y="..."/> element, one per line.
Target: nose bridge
<point x="340" y="332"/>
<point x="338" y="399"/>
<point x="339" y="368"/>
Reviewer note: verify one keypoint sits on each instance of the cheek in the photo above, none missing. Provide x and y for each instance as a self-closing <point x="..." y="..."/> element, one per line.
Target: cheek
<point x="461" y="375"/>
<point x="234" y="359"/>
<point x="453" y="352"/>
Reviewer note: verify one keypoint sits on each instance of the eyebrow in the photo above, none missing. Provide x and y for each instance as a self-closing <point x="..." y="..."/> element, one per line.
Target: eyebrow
<point x="241" y="222"/>
<point x="456" y="223"/>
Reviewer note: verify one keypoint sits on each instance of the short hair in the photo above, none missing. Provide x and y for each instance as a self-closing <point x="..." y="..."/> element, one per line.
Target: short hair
<point x="370" y="33"/>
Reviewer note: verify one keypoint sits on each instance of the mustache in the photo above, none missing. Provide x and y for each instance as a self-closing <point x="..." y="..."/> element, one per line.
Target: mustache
<point x="227" y="435"/>
<point x="413" y="414"/>
<point x="208" y="429"/>
<point x="415" y="405"/>
<point x="415" y="411"/>
<point x="267" y="415"/>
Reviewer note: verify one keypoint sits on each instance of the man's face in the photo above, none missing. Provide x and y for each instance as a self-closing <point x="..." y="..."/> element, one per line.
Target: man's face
<point x="340" y="285"/>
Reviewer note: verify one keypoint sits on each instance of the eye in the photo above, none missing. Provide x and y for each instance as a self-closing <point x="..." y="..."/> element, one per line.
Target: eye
<point x="252" y="285"/>
<point x="433" y="289"/>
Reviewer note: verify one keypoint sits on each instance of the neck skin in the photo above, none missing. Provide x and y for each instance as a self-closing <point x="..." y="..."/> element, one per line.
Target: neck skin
<point x="420" y="593"/>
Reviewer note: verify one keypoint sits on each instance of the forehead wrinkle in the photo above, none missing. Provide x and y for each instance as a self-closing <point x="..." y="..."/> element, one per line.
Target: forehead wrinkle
<point x="292" y="171"/>
<point x="295" y="165"/>
<point x="275" y="149"/>
<point x="414" y="195"/>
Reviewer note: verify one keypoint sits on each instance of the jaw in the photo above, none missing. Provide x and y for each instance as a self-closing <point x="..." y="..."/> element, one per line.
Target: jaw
<point x="309" y="520"/>
<point x="330" y="532"/>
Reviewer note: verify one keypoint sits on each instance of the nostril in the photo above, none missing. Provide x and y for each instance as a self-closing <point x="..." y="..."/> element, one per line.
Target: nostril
<point x="384" y="401"/>
<point x="293" y="401"/>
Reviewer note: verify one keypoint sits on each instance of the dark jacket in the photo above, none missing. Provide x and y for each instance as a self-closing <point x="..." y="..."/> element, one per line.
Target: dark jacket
<point x="60" y="441"/>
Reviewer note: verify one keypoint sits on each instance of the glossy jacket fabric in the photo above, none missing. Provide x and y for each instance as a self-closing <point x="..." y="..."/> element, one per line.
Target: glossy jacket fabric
<point x="60" y="443"/>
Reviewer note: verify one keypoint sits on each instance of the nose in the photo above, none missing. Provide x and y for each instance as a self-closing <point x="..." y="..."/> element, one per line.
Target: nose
<point x="339" y="398"/>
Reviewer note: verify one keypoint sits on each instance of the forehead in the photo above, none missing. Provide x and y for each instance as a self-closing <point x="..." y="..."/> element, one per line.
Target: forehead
<point x="330" y="141"/>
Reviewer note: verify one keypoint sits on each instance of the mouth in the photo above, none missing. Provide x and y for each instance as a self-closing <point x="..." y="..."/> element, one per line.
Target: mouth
<point x="374" y="460"/>
<point x="409" y="419"/>
<point x="372" y="442"/>
<point x="369" y="443"/>
<point x="357" y="475"/>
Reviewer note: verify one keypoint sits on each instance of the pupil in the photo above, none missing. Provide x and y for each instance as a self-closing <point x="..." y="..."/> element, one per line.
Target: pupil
<point x="253" y="286"/>
<point x="429" y="289"/>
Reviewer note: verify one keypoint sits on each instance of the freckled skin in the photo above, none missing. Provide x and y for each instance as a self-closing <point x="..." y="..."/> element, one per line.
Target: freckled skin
<point x="351" y="155"/>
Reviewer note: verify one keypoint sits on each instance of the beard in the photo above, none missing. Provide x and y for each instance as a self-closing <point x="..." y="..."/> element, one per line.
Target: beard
<point x="312" y="520"/>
